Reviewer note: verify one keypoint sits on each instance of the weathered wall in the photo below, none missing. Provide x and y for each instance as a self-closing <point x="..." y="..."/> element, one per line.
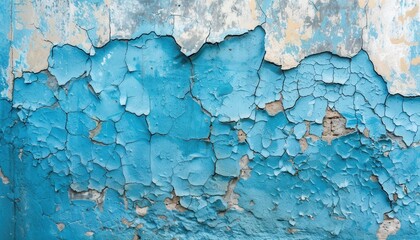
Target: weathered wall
<point x="209" y="119"/>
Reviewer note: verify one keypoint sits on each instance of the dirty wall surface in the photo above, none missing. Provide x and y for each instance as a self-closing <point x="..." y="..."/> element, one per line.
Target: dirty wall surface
<point x="209" y="119"/>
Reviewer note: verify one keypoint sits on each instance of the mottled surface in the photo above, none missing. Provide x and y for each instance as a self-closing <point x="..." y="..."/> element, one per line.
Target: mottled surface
<point x="387" y="30"/>
<point x="151" y="120"/>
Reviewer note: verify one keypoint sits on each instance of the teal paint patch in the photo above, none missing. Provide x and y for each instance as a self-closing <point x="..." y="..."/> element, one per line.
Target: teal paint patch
<point x="147" y="142"/>
<point x="226" y="77"/>
<point x="58" y="63"/>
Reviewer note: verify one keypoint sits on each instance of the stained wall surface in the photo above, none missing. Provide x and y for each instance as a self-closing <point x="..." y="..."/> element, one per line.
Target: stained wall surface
<point x="212" y="119"/>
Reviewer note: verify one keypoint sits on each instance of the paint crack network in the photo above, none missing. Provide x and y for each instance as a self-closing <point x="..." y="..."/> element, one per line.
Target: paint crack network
<point x="139" y="141"/>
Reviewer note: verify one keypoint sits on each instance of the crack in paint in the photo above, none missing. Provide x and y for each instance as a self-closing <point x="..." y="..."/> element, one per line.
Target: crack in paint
<point x="224" y="138"/>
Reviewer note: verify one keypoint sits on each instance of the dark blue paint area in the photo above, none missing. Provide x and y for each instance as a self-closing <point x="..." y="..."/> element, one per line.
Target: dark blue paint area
<point x="139" y="140"/>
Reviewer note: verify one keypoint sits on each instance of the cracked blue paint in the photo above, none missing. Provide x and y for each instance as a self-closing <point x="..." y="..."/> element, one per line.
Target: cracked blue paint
<point x="195" y="141"/>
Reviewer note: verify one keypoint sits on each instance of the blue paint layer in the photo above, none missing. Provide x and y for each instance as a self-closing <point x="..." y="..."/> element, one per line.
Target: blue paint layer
<point x="7" y="212"/>
<point x="139" y="140"/>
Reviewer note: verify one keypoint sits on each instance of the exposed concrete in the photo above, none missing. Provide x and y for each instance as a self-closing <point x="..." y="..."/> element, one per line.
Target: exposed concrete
<point x="334" y="126"/>
<point x="274" y="107"/>
<point x="388" y="227"/>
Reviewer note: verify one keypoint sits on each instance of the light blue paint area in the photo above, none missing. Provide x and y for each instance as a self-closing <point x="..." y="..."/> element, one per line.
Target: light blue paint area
<point x="59" y="66"/>
<point x="270" y="84"/>
<point x="290" y="92"/>
<point x="149" y="127"/>
<point x="316" y="129"/>
<point x="228" y="167"/>
<point x="133" y="96"/>
<point x="105" y="106"/>
<point x="107" y="133"/>
<point x="78" y="123"/>
<point x="136" y="163"/>
<point x="308" y="109"/>
<point x="299" y="130"/>
<point x="34" y="92"/>
<point x="227" y="148"/>
<point x="108" y="66"/>
<point x="266" y="136"/>
<point x="131" y="128"/>
<point x="226" y="77"/>
<point x="161" y="73"/>
<point x="182" y="166"/>
<point x="76" y="96"/>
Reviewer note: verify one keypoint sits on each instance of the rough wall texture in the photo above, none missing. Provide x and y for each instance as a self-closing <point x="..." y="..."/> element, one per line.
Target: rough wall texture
<point x="209" y="119"/>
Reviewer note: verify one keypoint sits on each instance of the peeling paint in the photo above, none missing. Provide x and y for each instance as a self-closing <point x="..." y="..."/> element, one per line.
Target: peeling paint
<point x="209" y="124"/>
<point x="295" y="30"/>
